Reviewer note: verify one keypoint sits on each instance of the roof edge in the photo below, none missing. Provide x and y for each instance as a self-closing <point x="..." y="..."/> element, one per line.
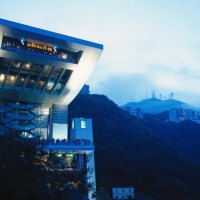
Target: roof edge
<point x="48" y="33"/>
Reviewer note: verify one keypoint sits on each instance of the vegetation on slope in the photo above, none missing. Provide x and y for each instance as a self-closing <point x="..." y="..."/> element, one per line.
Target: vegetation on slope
<point x="27" y="173"/>
<point x="130" y="153"/>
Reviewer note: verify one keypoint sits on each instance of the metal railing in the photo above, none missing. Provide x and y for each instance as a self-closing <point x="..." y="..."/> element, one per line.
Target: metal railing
<point x="76" y="142"/>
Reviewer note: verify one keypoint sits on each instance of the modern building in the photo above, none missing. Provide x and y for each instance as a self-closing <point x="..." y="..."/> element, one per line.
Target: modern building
<point x="122" y="193"/>
<point x="138" y="113"/>
<point x="41" y="72"/>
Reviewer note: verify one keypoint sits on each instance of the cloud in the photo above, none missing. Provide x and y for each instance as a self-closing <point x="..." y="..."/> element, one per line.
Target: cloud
<point x="125" y="88"/>
<point x="147" y="44"/>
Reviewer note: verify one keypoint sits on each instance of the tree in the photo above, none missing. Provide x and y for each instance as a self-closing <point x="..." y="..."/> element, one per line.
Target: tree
<point x="27" y="172"/>
<point x="102" y="194"/>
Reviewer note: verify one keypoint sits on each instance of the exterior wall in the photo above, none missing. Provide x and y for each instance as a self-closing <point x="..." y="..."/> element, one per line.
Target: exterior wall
<point x="59" y="121"/>
<point x="82" y="129"/>
<point x="123" y="193"/>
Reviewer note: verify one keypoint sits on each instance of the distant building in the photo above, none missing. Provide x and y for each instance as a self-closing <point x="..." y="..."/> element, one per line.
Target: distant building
<point x="85" y="90"/>
<point x="138" y="113"/>
<point x="127" y="109"/>
<point x="120" y="193"/>
<point x="180" y="114"/>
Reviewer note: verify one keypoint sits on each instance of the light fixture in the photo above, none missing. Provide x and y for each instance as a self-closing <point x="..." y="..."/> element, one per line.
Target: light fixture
<point x="64" y="56"/>
<point x="54" y="48"/>
<point x="2" y="76"/>
<point x="22" y="41"/>
<point x="27" y="65"/>
<point x="12" y="78"/>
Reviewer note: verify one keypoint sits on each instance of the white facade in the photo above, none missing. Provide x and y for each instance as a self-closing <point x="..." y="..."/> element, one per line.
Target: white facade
<point x="81" y="129"/>
<point x="120" y="193"/>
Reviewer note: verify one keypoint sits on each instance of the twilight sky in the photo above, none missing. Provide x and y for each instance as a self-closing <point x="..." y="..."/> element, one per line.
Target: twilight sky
<point x="148" y="44"/>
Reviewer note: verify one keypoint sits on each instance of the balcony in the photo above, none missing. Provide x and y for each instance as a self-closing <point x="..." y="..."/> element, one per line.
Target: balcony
<point x="80" y="146"/>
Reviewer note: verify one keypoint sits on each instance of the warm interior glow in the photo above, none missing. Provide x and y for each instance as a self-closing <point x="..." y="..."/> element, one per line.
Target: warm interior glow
<point x="41" y="83"/>
<point x="12" y="78"/>
<point x="2" y="76"/>
<point x="27" y="65"/>
<point x="64" y="56"/>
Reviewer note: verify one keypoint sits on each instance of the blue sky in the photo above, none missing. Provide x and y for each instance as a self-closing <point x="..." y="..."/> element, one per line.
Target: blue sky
<point x="148" y="44"/>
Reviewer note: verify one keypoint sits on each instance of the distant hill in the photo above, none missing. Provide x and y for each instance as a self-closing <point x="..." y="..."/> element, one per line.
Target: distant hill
<point x="154" y="105"/>
<point x="142" y="153"/>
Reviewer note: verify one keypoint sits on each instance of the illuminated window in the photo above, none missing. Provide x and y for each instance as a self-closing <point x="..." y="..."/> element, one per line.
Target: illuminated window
<point x="72" y="124"/>
<point x="83" y="123"/>
<point x="10" y="81"/>
<point x="2" y="76"/>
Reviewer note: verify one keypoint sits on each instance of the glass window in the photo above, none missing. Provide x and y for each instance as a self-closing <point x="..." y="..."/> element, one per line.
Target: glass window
<point x="37" y="69"/>
<point x="50" y="84"/>
<point x="83" y="123"/>
<point x="2" y="77"/>
<point x="54" y="77"/>
<point x="26" y="66"/>
<point x="3" y="65"/>
<point x="21" y="80"/>
<point x="31" y="81"/>
<point x="47" y="70"/>
<point x="61" y="84"/>
<point x="41" y="48"/>
<point x="41" y="84"/>
<point x="35" y="74"/>
<point x="10" y="81"/>
<point x="15" y="65"/>
<point x="72" y="124"/>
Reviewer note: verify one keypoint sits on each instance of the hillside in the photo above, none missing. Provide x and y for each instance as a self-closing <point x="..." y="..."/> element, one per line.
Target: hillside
<point x="154" y="105"/>
<point x="128" y="152"/>
<point x="183" y="137"/>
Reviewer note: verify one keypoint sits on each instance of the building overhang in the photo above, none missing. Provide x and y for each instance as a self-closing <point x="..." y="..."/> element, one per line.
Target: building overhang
<point x="74" y="59"/>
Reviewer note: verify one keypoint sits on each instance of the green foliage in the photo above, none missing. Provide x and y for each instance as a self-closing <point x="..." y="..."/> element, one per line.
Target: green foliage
<point x="102" y="195"/>
<point x="30" y="173"/>
<point x="131" y="152"/>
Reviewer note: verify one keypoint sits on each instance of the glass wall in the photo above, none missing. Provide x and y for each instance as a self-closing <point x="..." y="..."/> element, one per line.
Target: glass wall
<point x="16" y="74"/>
<point x="38" y="47"/>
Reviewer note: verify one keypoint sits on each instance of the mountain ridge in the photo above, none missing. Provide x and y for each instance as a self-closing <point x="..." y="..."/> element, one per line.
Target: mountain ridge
<point x="155" y="106"/>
